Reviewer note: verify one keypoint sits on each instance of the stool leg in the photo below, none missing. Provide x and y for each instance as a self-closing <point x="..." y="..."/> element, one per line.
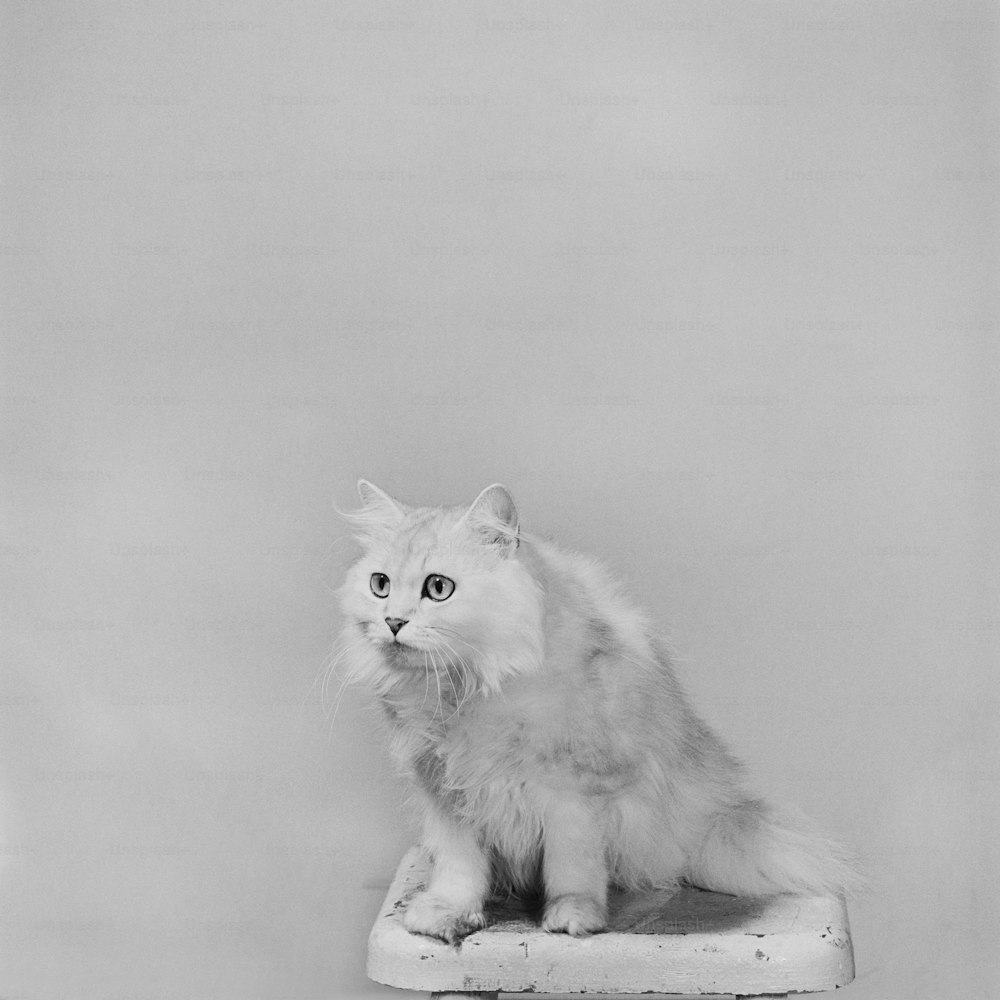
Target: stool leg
<point x="463" y="996"/>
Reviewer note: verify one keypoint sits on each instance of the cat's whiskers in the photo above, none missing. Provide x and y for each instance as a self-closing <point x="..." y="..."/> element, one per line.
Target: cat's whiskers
<point x="329" y="672"/>
<point x="469" y="675"/>
<point x="454" y="663"/>
<point x="344" y="683"/>
<point x="445" y="667"/>
<point x="451" y="680"/>
<point x="427" y="680"/>
<point x="336" y="708"/>
<point x="335" y="661"/>
<point x="323" y="672"/>
<point x="429" y="657"/>
<point x="455" y="634"/>
<point x="329" y="668"/>
<point x="465" y="676"/>
<point x="437" y="680"/>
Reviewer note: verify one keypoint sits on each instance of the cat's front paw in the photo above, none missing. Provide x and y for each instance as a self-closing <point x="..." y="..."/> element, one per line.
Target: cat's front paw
<point x="441" y="918"/>
<point x="574" y="914"/>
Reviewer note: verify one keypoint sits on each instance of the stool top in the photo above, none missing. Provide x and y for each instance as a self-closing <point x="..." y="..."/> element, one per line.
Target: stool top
<point x="689" y="941"/>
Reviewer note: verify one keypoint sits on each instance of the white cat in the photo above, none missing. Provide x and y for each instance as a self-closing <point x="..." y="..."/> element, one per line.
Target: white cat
<point x="543" y="727"/>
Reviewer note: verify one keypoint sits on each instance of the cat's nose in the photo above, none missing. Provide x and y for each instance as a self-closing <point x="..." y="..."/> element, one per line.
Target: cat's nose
<point x="395" y="624"/>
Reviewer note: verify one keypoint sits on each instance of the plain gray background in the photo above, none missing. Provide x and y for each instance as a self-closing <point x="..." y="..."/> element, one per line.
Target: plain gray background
<point x="709" y="287"/>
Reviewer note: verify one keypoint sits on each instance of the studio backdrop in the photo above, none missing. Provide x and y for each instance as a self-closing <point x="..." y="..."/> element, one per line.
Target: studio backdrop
<point x="710" y="288"/>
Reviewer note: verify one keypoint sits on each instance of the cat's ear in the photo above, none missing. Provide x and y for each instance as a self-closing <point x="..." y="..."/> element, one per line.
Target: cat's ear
<point x="378" y="501"/>
<point x="493" y="518"/>
<point x="378" y="509"/>
<point x="372" y="496"/>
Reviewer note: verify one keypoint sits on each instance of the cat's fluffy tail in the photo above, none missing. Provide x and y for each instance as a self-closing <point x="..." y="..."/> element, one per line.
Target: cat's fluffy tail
<point x="752" y="848"/>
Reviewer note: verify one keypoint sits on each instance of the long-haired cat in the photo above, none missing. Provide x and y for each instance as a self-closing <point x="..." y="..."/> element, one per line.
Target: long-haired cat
<point x="548" y="740"/>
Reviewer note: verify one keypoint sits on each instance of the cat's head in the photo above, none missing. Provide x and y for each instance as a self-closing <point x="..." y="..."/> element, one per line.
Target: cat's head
<point x="441" y="587"/>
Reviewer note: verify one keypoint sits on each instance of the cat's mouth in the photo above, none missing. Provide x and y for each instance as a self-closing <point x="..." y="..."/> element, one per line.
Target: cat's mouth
<point x="395" y="647"/>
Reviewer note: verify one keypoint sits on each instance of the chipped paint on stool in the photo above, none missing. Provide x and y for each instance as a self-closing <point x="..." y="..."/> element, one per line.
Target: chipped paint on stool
<point x="686" y="942"/>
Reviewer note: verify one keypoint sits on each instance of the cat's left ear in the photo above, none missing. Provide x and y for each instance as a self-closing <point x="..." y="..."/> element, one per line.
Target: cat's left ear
<point x="493" y="518"/>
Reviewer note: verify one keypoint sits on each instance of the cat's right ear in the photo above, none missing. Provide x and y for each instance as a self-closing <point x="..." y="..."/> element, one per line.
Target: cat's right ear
<point x="378" y="502"/>
<point x="372" y="496"/>
<point x="378" y="509"/>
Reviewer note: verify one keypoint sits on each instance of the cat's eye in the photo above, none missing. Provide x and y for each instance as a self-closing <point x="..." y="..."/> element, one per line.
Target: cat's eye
<point x="379" y="584"/>
<point x="438" y="588"/>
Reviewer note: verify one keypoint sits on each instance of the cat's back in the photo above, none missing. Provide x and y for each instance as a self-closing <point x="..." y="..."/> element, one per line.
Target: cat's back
<point x="586" y="608"/>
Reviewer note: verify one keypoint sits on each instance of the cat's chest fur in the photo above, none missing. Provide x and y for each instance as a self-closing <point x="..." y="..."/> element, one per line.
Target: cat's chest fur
<point x="494" y="760"/>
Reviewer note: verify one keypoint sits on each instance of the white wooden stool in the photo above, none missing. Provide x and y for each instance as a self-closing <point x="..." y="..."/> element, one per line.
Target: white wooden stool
<point x="691" y="943"/>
